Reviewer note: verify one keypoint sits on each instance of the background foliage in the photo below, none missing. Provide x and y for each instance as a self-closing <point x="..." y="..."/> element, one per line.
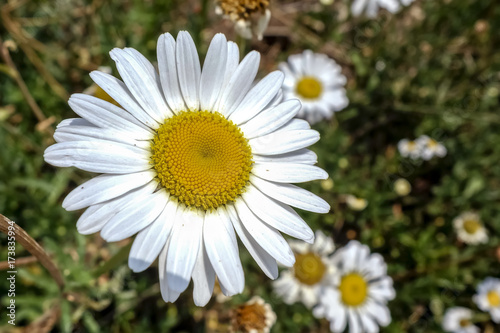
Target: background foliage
<point x="433" y="69"/>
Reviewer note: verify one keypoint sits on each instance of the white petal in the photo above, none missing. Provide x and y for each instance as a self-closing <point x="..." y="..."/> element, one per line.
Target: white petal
<point x="265" y="261"/>
<point x="141" y="83"/>
<point x="239" y="84"/>
<point x="151" y="240"/>
<point x="267" y="237"/>
<point x="203" y="277"/>
<point x="276" y="100"/>
<point x="277" y="215"/>
<point x="184" y="247"/>
<point x="120" y="93"/>
<point x="270" y="119"/>
<point x="302" y="156"/>
<point x="167" y="294"/>
<point x="296" y="124"/>
<point x="98" y="156"/>
<point x="222" y="249"/>
<point x="354" y="323"/>
<point x="337" y="99"/>
<point x="369" y="325"/>
<point x="382" y="290"/>
<point x="188" y="69"/>
<point x="339" y="321"/>
<point x="233" y="59"/>
<point x="75" y="122"/>
<point x="135" y="217"/>
<point x="291" y="195"/>
<point x="283" y="142"/>
<point x="96" y="216"/>
<point x="379" y="312"/>
<point x="323" y="245"/>
<point x="106" y="115"/>
<point x="349" y="255"/>
<point x="168" y="72"/>
<point x="87" y="133"/>
<point x="288" y="172"/>
<point x="290" y="80"/>
<point x="212" y="76"/>
<point x="105" y="187"/>
<point x="257" y="98"/>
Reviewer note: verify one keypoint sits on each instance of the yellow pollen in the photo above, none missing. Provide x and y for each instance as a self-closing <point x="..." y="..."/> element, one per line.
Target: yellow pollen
<point x="471" y="226"/>
<point x="309" y="87"/>
<point x="201" y="158"/>
<point x="309" y="268"/>
<point x="353" y="289"/>
<point x="464" y="322"/>
<point x="101" y="94"/>
<point x="412" y="145"/>
<point x="250" y="317"/>
<point x="493" y="298"/>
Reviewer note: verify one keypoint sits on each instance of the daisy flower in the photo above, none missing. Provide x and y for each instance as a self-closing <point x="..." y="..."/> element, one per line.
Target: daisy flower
<point x="409" y="148"/>
<point x="255" y="316"/>
<point x="470" y="229"/>
<point x="311" y="271"/>
<point x="488" y="297"/>
<point x="190" y="159"/>
<point x="360" y="292"/>
<point x="430" y="147"/>
<point x="317" y="81"/>
<point x="459" y="320"/>
<point x="250" y="17"/>
<point x="371" y="7"/>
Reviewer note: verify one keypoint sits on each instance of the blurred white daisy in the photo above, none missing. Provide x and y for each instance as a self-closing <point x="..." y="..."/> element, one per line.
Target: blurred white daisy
<point x="317" y="81"/>
<point x="488" y="297"/>
<point x="459" y="320"/>
<point x="255" y="316"/>
<point x="470" y="229"/>
<point x="430" y="147"/>
<point x="191" y="157"/>
<point x="250" y="17"/>
<point x="371" y="7"/>
<point x="361" y="290"/>
<point x="409" y="148"/>
<point x="312" y="270"/>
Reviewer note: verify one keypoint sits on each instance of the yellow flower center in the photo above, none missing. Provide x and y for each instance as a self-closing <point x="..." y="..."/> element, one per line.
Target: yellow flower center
<point x="353" y="289"/>
<point x="309" y="87"/>
<point x="412" y="145"/>
<point x="101" y="94"/>
<point x="309" y="268"/>
<point x="202" y="159"/>
<point x="493" y="298"/>
<point x="471" y="226"/>
<point x="464" y="322"/>
<point x="250" y="318"/>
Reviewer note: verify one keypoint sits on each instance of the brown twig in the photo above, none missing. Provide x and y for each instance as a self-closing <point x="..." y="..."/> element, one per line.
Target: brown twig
<point x="19" y="262"/>
<point x="33" y="247"/>
<point x="46" y="322"/>
<point x="29" y="45"/>
<point x="4" y="53"/>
